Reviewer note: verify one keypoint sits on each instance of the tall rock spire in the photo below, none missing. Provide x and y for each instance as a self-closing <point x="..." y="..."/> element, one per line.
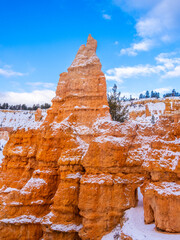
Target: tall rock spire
<point x="86" y="55"/>
<point x="82" y="90"/>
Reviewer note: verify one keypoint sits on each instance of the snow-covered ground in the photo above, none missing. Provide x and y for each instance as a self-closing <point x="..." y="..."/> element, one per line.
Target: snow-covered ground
<point x="20" y="119"/>
<point x="2" y="144"/>
<point x="155" y="108"/>
<point x="135" y="227"/>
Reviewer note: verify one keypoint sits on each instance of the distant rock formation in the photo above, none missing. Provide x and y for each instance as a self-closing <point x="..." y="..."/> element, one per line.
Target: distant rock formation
<point x="73" y="176"/>
<point x="139" y="110"/>
<point x="38" y="115"/>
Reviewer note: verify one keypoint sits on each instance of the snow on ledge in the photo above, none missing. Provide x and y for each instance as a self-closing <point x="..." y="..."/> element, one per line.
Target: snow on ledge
<point x="66" y="228"/>
<point x="23" y="219"/>
<point x="165" y="188"/>
<point x="74" y="176"/>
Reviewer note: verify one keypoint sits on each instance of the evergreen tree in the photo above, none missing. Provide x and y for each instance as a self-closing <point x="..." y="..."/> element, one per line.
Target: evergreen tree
<point x="141" y="96"/>
<point x="147" y="94"/>
<point x="117" y="110"/>
<point x="153" y="119"/>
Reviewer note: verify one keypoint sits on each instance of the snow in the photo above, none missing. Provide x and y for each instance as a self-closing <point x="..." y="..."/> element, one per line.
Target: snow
<point x="120" y="141"/>
<point x="37" y="202"/>
<point x="98" y="179"/>
<point x="167" y="158"/>
<point x="82" y="145"/>
<point x="82" y="60"/>
<point x="20" y="119"/>
<point x="38" y="171"/>
<point x="23" y="219"/>
<point x="9" y="189"/>
<point x="57" y="98"/>
<point x="165" y="188"/>
<point x="46" y="218"/>
<point x="61" y="125"/>
<point x="66" y="228"/>
<point x="17" y="150"/>
<point x="135" y="227"/>
<point x="74" y="176"/>
<point x="108" y="178"/>
<point x="2" y="144"/>
<point x="82" y="130"/>
<point x="33" y="183"/>
<point x="80" y="107"/>
<point x="159" y="107"/>
<point x="16" y="203"/>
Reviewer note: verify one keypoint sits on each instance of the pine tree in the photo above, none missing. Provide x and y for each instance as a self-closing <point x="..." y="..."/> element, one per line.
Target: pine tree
<point x="147" y="94"/>
<point x="117" y="110"/>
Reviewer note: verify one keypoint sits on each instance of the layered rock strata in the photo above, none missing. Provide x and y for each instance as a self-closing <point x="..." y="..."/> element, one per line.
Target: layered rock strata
<point x="74" y="175"/>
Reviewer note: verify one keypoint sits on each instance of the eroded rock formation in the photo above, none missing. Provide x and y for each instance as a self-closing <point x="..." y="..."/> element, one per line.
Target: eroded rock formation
<point x="73" y="176"/>
<point x="165" y="107"/>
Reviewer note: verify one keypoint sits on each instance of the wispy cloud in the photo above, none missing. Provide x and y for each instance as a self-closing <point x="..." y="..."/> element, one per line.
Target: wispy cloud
<point x="163" y="90"/>
<point x="121" y="73"/>
<point x="41" y="84"/>
<point x="144" y="45"/>
<point x="158" y="22"/>
<point x="29" y="98"/>
<point x="166" y="66"/>
<point x="8" y="72"/>
<point x="106" y="16"/>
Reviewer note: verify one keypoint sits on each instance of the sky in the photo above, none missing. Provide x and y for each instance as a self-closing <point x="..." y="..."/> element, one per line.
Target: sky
<point x="138" y="45"/>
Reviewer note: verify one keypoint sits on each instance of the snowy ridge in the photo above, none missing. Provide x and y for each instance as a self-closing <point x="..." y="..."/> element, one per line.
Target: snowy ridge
<point x="157" y="107"/>
<point x="165" y="188"/>
<point x="20" y="119"/>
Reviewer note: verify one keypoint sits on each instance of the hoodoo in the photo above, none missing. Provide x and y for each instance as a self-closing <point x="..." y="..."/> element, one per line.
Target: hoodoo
<point x="82" y="90"/>
<point x="73" y="175"/>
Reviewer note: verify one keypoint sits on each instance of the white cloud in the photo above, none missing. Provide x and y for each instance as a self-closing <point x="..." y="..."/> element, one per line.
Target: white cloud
<point x="144" y="45"/>
<point x="41" y="84"/>
<point x="136" y="95"/>
<point x="174" y="73"/>
<point x="29" y="98"/>
<point x="163" y="90"/>
<point x="158" y="21"/>
<point x="106" y="16"/>
<point x="130" y="5"/>
<point x="121" y="73"/>
<point x="7" y="72"/>
<point x="167" y="66"/>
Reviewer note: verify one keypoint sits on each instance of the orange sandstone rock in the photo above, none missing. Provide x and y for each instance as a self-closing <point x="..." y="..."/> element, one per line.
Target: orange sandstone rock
<point x="38" y="115"/>
<point x="73" y="176"/>
<point x="162" y="205"/>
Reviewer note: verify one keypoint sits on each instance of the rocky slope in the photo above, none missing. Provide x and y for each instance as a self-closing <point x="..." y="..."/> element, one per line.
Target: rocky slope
<point x="143" y="110"/>
<point x="75" y="175"/>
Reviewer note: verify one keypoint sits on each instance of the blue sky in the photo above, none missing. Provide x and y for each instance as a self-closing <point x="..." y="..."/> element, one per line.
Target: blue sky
<point x="138" y="44"/>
